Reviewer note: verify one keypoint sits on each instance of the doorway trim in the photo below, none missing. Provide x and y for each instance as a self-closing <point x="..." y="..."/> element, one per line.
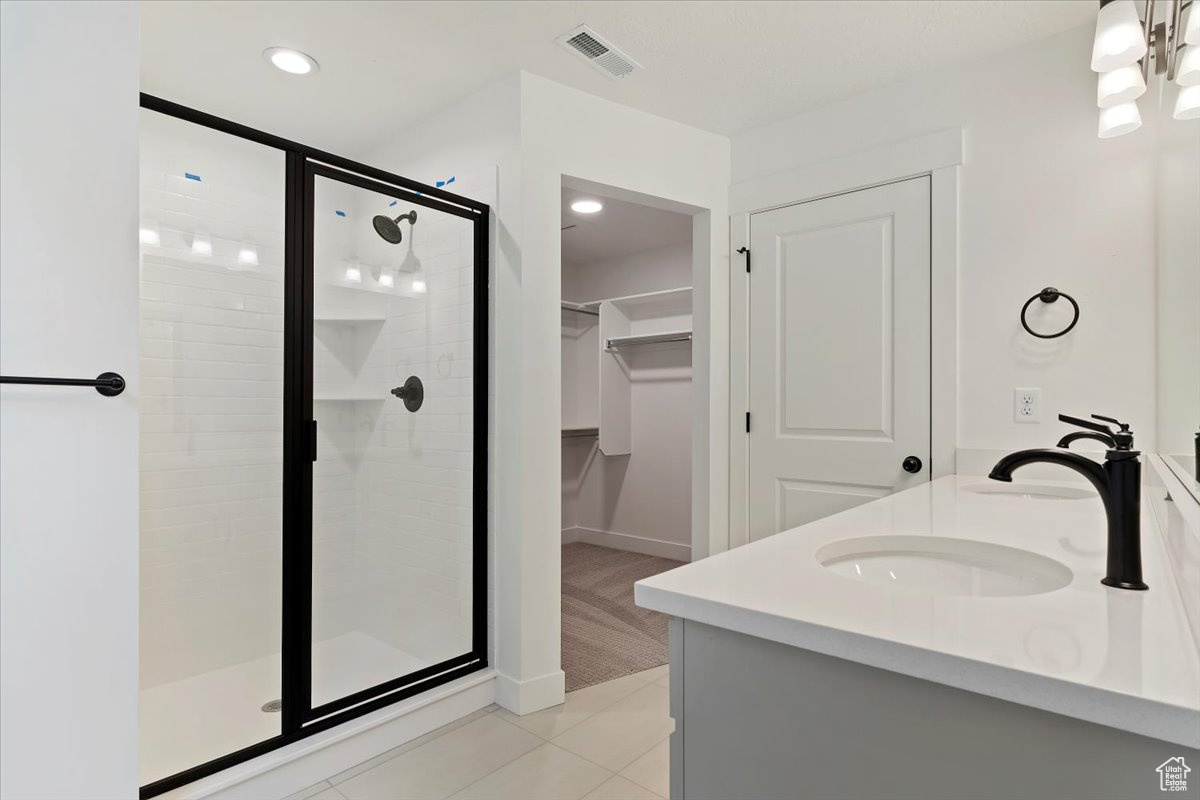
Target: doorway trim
<point x="938" y="155"/>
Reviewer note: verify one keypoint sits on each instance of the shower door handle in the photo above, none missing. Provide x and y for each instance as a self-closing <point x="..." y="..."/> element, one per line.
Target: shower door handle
<point x="312" y="440"/>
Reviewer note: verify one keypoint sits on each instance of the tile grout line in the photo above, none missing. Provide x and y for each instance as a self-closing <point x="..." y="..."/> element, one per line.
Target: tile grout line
<point x="610" y="774"/>
<point x="603" y="708"/>
<point x="505" y="764"/>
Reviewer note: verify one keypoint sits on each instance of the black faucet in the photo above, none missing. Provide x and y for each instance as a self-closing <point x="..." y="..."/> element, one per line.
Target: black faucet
<point x="1065" y="441"/>
<point x="1119" y="484"/>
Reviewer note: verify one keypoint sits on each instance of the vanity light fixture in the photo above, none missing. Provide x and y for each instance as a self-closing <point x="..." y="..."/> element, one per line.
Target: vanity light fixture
<point x="1122" y="52"/>
<point x="1191" y="26"/>
<point x="248" y="254"/>
<point x="289" y="60"/>
<point x="386" y="280"/>
<point x="201" y="244"/>
<point x="148" y="234"/>
<point x="1187" y="103"/>
<point x="353" y="274"/>
<point x="586" y="206"/>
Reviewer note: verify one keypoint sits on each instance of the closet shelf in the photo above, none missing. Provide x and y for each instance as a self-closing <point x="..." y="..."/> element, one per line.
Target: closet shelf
<point x="573" y="433"/>
<point x="582" y="308"/>
<point x="616" y="342"/>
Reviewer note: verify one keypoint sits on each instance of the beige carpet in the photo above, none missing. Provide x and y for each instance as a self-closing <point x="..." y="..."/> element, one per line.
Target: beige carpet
<point x="604" y="635"/>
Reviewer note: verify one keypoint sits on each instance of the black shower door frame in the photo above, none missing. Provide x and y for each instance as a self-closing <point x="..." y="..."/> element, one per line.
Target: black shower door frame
<point x="299" y="719"/>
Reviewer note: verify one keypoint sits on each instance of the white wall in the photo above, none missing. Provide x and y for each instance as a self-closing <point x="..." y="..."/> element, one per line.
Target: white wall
<point x="68" y="465"/>
<point x="567" y="132"/>
<point x="655" y="270"/>
<point x="1043" y="202"/>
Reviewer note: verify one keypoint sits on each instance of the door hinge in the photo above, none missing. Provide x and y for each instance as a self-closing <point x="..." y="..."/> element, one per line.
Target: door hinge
<point x="312" y="439"/>
<point x="745" y="250"/>
<point x="747" y="422"/>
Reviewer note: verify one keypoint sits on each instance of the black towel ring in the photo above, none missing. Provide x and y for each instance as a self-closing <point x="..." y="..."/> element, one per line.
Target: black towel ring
<point x="1049" y="295"/>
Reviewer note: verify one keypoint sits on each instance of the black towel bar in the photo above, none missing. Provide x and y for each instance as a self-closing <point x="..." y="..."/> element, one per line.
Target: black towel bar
<point x="109" y="384"/>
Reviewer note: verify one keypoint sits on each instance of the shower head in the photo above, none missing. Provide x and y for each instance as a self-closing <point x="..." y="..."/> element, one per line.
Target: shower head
<point x="389" y="229"/>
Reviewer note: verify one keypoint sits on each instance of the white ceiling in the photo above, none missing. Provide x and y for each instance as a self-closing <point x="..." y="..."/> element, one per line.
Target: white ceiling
<point x="620" y="229"/>
<point x="720" y="66"/>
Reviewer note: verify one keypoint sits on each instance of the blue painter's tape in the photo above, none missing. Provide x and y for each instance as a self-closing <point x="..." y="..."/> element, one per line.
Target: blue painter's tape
<point x="339" y="212"/>
<point x="440" y="184"/>
<point x="451" y="179"/>
<point x="393" y="203"/>
<point x="191" y="176"/>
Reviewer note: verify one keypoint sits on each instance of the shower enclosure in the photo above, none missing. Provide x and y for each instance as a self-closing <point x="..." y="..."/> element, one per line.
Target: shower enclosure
<point x="313" y="441"/>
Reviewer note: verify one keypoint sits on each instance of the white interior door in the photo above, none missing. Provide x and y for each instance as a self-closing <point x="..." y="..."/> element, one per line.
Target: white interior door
<point x="839" y="353"/>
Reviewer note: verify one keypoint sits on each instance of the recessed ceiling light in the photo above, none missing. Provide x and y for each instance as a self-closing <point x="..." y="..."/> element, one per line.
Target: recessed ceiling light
<point x="586" y="206"/>
<point x="290" y="60"/>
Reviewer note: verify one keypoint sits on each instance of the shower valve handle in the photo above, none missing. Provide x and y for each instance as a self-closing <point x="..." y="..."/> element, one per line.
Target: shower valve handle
<point x="412" y="392"/>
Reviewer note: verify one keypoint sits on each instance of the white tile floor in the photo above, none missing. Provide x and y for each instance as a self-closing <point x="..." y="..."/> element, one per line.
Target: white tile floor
<point x="606" y="742"/>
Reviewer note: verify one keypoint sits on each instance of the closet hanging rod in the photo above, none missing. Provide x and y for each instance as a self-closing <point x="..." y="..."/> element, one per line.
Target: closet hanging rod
<point x="109" y="384"/>
<point x="573" y="433"/>
<point x="649" y="338"/>
<point x="577" y="307"/>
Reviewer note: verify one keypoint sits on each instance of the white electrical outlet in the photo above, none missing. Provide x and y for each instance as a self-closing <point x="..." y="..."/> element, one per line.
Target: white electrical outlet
<point x="1027" y="405"/>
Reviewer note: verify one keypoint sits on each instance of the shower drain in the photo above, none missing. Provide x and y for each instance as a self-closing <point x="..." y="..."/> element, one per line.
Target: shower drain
<point x="273" y="707"/>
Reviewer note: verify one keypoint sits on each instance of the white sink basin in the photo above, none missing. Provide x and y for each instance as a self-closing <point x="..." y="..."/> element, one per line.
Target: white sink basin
<point x="1032" y="491"/>
<point x="941" y="565"/>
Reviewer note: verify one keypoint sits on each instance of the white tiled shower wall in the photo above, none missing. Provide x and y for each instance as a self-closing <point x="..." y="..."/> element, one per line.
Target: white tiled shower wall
<point x="392" y="502"/>
<point x="210" y="413"/>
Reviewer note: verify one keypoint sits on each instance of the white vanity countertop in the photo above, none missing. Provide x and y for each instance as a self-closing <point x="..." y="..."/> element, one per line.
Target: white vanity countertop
<point x="1119" y="658"/>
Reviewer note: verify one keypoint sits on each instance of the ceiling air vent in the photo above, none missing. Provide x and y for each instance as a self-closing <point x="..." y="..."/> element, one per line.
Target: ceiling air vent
<point x="592" y="48"/>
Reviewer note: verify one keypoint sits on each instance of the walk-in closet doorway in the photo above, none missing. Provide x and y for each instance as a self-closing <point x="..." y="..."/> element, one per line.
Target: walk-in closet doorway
<point x="627" y="424"/>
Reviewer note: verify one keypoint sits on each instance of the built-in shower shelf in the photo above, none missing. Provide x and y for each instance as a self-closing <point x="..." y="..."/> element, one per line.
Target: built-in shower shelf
<point x="348" y="319"/>
<point x="347" y="397"/>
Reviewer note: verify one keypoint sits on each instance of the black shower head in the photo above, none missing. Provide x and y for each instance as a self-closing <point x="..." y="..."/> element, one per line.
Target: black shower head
<point x="389" y="229"/>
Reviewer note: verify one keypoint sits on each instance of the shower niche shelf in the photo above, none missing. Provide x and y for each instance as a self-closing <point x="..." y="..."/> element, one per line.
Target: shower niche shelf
<point x="348" y="396"/>
<point x="348" y="319"/>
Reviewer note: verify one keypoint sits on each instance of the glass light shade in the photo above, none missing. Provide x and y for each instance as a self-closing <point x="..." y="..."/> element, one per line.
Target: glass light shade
<point x="201" y="244"/>
<point x="1119" y="120"/>
<point x="1187" y="104"/>
<point x="1187" y="69"/>
<point x="1119" y="86"/>
<point x="1191" y="25"/>
<point x="1120" y="38"/>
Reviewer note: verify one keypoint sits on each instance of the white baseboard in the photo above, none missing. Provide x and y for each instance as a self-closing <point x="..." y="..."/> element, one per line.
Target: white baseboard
<point x="628" y="542"/>
<point x="534" y="694"/>
<point x="304" y="763"/>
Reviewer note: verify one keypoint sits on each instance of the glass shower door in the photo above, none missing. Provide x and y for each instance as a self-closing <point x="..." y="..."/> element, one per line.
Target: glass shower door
<point x="393" y="517"/>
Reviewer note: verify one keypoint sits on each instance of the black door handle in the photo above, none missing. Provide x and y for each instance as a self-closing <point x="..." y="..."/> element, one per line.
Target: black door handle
<point x="911" y="464"/>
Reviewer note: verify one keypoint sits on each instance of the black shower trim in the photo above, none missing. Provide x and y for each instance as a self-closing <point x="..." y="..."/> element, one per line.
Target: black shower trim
<point x="298" y="718"/>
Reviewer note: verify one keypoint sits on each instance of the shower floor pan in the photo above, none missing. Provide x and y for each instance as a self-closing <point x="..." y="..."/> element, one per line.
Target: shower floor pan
<point x="197" y="719"/>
